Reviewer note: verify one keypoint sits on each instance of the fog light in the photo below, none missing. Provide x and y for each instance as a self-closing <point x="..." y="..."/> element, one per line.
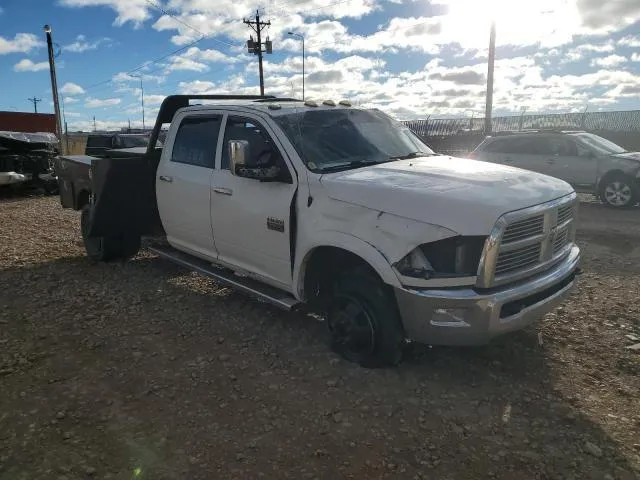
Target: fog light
<point x="449" y="317"/>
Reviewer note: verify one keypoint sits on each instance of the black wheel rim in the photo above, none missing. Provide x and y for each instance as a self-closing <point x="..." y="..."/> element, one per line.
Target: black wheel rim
<point x="352" y="328"/>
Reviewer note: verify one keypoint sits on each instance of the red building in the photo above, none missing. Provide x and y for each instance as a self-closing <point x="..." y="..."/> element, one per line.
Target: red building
<point x="27" y="122"/>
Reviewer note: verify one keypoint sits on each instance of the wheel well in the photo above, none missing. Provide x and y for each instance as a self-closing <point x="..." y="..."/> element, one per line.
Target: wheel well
<point x="322" y="267"/>
<point x="82" y="199"/>
<point x="608" y="175"/>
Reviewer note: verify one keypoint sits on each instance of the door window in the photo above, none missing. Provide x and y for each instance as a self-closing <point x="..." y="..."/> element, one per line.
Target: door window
<point x="559" y="146"/>
<point x="514" y="145"/>
<point x="196" y="141"/>
<point x="262" y="151"/>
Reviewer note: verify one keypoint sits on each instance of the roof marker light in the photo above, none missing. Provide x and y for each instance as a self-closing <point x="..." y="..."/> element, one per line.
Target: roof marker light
<point x="275" y="106"/>
<point x="345" y="103"/>
<point x="331" y="103"/>
<point x="310" y="103"/>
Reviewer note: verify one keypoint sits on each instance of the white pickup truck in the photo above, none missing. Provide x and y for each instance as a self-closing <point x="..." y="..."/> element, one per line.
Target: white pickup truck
<point x="339" y="208"/>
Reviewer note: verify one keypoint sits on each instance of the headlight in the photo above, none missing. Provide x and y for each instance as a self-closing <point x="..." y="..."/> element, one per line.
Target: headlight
<point x="451" y="257"/>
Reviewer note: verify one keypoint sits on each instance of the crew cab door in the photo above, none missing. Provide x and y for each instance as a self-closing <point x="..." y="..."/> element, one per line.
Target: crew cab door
<point x="571" y="162"/>
<point x="183" y="182"/>
<point x="251" y="219"/>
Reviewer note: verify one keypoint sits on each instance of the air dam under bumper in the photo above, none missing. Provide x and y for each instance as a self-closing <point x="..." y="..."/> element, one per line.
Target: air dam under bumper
<point x="472" y="317"/>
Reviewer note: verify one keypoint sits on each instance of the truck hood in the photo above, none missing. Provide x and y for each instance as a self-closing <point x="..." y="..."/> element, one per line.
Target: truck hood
<point x="466" y="196"/>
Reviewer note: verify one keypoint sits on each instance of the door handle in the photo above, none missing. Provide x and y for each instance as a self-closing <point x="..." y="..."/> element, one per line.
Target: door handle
<point x="508" y="159"/>
<point x="164" y="178"/>
<point x="223" y="191"/>
<point x="551" y="161"/>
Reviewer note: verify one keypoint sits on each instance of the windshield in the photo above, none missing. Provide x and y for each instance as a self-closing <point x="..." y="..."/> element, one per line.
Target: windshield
<point x="330" y="139"/>
<point x="602" y="146"/>
<point x="130" y="142"/>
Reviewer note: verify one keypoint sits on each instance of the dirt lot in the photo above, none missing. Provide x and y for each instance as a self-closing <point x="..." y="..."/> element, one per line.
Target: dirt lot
<point x="143" y="370"/>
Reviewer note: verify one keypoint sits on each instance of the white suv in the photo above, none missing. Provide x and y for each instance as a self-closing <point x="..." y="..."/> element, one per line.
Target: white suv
<point x="591" y="164"/>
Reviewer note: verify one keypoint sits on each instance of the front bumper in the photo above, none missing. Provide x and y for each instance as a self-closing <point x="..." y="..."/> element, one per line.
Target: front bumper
<point x="9" y="178"/>
<point x="473" y="317"/>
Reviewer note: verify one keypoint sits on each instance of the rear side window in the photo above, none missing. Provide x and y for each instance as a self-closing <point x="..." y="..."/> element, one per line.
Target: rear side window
<point x="512" y="145"/>
<point x="196" y="141"/>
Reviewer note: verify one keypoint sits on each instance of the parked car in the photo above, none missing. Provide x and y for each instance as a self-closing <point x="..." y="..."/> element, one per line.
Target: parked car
<point x="590" y="163"/>
<point x="338" y="209"/>
<point x="98" y="144"/>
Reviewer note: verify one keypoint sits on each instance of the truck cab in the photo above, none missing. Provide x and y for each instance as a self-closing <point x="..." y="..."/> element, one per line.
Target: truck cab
<point x="345" y="211"/>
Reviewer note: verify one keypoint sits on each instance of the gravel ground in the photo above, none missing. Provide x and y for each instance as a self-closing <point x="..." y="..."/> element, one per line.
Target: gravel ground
<point x="144" y="370"/>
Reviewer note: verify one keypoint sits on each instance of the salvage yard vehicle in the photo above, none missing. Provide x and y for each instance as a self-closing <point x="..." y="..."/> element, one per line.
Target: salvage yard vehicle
<point x="28" y="158"/>
<point x="590" y="163"/>
<point x="339" y="209"/>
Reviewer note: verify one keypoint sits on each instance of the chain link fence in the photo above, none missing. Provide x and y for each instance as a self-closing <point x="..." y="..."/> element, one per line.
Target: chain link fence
<point x="461" y="135"/>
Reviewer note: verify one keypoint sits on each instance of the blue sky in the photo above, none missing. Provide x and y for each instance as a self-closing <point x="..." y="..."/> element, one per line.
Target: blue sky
<point x="412" y="58"/>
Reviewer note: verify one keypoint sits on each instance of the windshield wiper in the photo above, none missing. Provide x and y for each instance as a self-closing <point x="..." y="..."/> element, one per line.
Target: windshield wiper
<point x="412" y="155"/>
<point x="337" y="167"/>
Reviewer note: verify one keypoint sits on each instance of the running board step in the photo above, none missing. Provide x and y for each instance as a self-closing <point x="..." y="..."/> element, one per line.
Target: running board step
<point x="258" y="290"/>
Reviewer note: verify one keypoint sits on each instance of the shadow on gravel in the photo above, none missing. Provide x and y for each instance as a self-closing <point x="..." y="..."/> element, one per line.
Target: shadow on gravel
<point x="144" y="365"/>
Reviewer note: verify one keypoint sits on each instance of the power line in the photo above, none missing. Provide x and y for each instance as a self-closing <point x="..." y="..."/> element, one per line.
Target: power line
<point x="35" y="102"/>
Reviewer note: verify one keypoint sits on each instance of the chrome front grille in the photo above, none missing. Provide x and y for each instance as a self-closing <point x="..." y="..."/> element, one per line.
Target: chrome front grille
<point x="528" y="241"/>
<point x="518" y="259"/>
<point x="523" y="229"/>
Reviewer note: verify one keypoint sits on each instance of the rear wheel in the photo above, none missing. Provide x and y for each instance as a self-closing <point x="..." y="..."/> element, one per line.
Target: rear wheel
<point x="363" y="320"/>
<point x="618" y="191"/>
<point x="108" y="248"/>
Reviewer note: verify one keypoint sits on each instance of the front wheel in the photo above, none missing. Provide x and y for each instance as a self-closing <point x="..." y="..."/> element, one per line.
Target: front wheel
<point x="109" y="248"/>
<point x="618" y="191"/>
<point x="363" y="320"/>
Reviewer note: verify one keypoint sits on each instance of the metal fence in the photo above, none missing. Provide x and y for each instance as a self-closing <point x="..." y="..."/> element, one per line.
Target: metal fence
<point x="461" y="135"/>
<point x="625" y="121"/>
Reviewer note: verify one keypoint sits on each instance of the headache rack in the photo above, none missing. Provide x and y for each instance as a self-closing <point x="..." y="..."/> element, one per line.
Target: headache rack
<point x="171" y="104"/>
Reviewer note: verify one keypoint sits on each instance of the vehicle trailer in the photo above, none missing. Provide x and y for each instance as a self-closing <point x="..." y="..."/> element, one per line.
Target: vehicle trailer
<point x="338" y="209"/>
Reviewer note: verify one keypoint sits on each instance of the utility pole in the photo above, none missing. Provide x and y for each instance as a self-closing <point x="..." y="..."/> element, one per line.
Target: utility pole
<point x="492" y="59"/>
<point x="255" y="47"/>
<point x="35" y="102"/>
<point x="54" y="83"/>
<point x="142" y="97"/>
<point x="94" y="123"/>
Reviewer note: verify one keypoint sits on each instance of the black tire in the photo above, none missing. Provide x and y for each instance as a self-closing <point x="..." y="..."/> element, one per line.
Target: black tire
<point x="363" y="320"/>
<point x="618" y="191"/>
<point x="106" y="249"/>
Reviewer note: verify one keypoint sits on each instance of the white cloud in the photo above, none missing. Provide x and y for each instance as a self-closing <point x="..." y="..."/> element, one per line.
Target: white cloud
<point x="21" y="43"/>
<point x="607" y="16"/>
<point x="68" y="100"/>
<point x="71" y="88"/>
<point x="135" y="11"/>
<point x="635" y="57"/>
<point x="195" y="59"/>
<point x="630" y="41"/>
<point x="26" y="65"/>
<point x="184" y="63"/>
<point x="609" y="61"/>
<point x="82" y="45"/>
<point x="153" y="99"/>
<point x="99" y="103"/>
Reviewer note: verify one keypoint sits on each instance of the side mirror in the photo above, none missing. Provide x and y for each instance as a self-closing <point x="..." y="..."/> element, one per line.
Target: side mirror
<point x="238" y="153"/>
<point x="238" y="156"/>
